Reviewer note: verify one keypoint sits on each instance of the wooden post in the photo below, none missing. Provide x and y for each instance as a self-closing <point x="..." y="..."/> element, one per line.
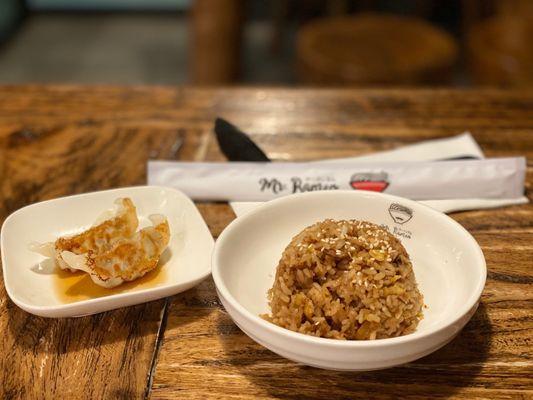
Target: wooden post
<point x="215" y="30"/>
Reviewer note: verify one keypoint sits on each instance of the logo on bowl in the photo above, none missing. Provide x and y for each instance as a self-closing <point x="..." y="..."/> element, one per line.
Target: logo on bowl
<point x="400" y="214"/>
<point x="373" y="181"/>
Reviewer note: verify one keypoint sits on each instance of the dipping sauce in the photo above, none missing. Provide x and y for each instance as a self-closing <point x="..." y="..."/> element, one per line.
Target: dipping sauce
<point x="76" y="286"/>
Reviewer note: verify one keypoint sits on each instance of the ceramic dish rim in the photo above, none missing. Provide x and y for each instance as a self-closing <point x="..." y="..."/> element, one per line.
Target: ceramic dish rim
<point x="458" y="314"/>
<point x="96" y="300"/>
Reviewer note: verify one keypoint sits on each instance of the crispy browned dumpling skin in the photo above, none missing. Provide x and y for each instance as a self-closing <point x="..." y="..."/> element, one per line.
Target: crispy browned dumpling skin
<point x="128" y="259"/>
<point x="113" y="226"/>
<point x="102" y="236"/>
<point x="111" y="251"/>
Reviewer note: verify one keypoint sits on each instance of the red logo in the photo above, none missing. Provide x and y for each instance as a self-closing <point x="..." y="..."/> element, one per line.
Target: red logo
<point x="373" y="181"/>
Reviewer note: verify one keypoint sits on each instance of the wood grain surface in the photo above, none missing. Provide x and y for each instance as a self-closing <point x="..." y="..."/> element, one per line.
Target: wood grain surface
<point x="60" y="140"/>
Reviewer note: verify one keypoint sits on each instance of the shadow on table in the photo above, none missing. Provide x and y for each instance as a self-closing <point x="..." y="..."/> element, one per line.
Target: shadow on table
<point x="114" y="347"/>
<point x="129" y="324"/>
<point x="63" y="335"/>
<point x="440" y="374"/>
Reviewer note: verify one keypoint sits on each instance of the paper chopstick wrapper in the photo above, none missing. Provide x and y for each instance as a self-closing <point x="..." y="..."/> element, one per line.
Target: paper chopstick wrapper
<point x="242" y="181"/>
<point x="460" y="146"/>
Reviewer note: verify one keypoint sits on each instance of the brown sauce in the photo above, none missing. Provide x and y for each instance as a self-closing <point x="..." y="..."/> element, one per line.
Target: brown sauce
<point x="76" y="286"/>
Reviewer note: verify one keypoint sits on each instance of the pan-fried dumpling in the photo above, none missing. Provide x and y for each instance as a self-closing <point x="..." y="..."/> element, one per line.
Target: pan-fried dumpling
<point x="109" y="228"/>
<point x="127" y="259"/>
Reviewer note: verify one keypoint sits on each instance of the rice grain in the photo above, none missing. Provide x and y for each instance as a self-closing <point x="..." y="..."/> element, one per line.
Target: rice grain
<point x="357" y="283"/>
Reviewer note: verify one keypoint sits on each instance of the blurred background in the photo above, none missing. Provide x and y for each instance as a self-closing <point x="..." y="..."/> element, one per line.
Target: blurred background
<point x="277" y="42"/>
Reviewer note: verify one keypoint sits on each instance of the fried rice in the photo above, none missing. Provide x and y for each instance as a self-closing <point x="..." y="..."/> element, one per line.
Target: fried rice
<point x="345" y="280"/>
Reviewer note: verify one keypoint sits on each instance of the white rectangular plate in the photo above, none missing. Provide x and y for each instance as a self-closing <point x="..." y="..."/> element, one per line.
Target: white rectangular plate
<point x="32" y="282"/>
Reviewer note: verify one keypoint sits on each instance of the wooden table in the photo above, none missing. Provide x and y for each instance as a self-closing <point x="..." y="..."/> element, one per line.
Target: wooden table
<point x="60" y="140"/>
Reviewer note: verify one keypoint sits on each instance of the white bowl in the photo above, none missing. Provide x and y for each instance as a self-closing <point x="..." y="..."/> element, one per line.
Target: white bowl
<point x="448" y="264"/>
<point x="31" y="280"/>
